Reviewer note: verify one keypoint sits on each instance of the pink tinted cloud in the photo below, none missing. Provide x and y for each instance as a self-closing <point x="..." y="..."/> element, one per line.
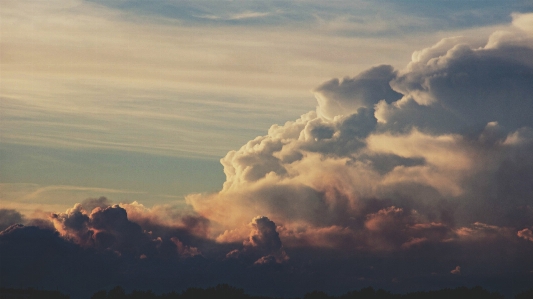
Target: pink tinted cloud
<point x="526" y="233"/>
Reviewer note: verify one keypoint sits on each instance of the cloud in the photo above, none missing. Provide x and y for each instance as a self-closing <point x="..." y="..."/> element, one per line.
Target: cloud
<point x="192" y="108"/>
<point x="28" y="254"/>
<point x="474" y="86"/>
<point x="240" y="16"/>
<point x="481" y="231"/>
<point x="184" y="250"/>
<point x="88" y="251"/>
<point x="263" y="244"/>
<point x="9" y="217"/>
<point x="364" y="90"/>
<point x="33" y="256"/>
<point x="396" y="174"/>
<point x="73" y="224"/>
<point x="396" y="159"/>
<point x="167" y="217"/>
<point x="130" y="229"/>
<point x="456" y="271"/>
<point x="90" y="204"/>
<point x="526" y="233"/>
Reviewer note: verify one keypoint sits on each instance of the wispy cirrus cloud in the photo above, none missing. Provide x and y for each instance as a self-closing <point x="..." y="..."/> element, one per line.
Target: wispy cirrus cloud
<point x="109" y="89"/>
<point x="239" y="16"/>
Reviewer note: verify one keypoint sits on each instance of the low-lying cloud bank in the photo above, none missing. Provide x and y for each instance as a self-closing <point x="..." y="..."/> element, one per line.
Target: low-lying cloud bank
<point x="405" y="179"/>
<point x="97" y="244"/>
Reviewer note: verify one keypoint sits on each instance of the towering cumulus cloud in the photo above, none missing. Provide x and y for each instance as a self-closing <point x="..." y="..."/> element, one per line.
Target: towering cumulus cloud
<point x="392" y="159"/>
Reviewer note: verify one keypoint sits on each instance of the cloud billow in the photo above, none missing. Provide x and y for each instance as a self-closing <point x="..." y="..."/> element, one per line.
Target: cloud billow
<point x="443" y="143"/>
<point x="364" y="90"/>
<point x="263" y="245"/>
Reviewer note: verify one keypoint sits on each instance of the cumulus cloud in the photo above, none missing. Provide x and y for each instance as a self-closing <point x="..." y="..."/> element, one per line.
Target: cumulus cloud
<point x="481" y="231"/>
<point x="166" y="216"/>
<point x="396" y="159"/>
<point x="456" y="271"/>
<point x="90" y="204"/>
<point x="364" y="90"/>
<point x="73" y="224"/>
<point x="263" y="244"/>
<point x="526" y="233"/>
<point x="184" y="250"/>
<point x="130" y="229"/>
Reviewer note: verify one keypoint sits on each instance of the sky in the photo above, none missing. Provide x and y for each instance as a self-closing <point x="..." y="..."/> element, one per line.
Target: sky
<point x="306" y="144"/>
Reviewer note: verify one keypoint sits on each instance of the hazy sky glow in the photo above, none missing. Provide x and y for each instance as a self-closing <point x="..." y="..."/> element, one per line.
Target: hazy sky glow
<point x="388" y="142"/>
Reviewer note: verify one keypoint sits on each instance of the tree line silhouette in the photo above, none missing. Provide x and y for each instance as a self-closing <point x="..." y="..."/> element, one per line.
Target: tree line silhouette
<point x="225" y="291"/>
<point x="9" y="293"/>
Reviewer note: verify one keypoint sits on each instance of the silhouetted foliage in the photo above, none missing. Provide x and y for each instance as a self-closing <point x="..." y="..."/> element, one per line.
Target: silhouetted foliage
<point x="458" y="293"/>
<point x="225" y="291"/>
<point x="9" y="293"/>
<point x="369" y="293"/>
<point x="525" y="295"/>
<point x="221" y="291"/>
<point x="117" y="293"/>
<point x="100" y="295"/>
<point x="316" y="295"/>
<point x="142" y="295"/>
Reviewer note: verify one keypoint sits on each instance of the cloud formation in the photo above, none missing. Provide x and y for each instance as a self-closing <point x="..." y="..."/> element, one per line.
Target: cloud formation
<point x="391" y="159"/>
<point x="263" y="245"/>
<point x="456" y="271"/>
<point x="9" y="217"/>
<point x="127" y="229"/>
<point x="526" y="233"/>
<point x="395" y="179"/>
